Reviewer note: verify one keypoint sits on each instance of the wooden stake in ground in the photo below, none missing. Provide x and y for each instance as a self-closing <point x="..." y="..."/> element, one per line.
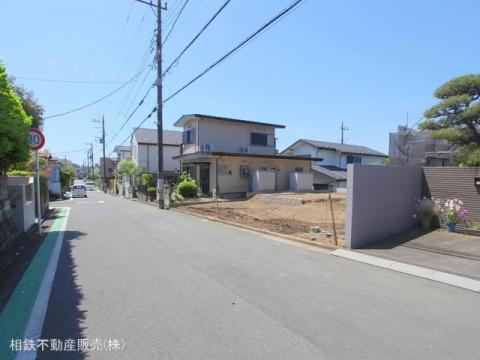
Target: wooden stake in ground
<point x="333" y="220"/>
<point x="216" y="201"/>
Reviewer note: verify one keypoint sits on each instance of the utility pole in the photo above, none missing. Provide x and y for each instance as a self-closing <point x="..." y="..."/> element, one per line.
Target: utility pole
<point x="158" y="83"/>
<point x="104" y="159"/>
<point x="343" y="129"/>
<point x="93" y="164"/>
<point x="102" y="141"/>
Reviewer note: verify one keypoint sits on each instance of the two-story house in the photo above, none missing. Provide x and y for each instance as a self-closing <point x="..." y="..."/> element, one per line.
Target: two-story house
<point x="233" y="157"/>
<point x="144" y="150"/>
<point x="123" y="152"/>
<point x="332" y="172"/>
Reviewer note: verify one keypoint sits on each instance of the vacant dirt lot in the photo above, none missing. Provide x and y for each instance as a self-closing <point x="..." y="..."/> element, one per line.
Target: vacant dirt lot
<point x="285" y="213"/>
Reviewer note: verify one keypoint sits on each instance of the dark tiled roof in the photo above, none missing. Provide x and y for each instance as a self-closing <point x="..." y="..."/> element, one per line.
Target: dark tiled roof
<point x="119" y="148"/>
<point x="221" y="118"/>
<point x="331" y="171"/>
<point x="149" y="136"/>
<point x="344" y="148"/>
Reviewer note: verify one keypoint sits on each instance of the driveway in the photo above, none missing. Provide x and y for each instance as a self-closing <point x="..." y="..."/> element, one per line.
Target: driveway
<point x="453" y="253"/>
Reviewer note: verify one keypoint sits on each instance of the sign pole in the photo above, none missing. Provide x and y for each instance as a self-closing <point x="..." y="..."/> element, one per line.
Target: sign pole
<point x="37" y="166"/>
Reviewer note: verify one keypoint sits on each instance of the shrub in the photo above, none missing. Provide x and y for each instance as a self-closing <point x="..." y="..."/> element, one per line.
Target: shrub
<point x="146" y="179"/>
<point x="187" y="188"/>
<point x="20" y="173"/>
<point x="174" y="197"/>
<point x="152" y="190"/>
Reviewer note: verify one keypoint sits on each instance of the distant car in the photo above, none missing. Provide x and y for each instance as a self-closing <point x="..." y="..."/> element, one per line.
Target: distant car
<point x="79" y="190"/>
<point x="90" y="185"/>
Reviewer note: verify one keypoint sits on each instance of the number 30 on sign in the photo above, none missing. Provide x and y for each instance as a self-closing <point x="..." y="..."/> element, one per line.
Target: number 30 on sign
<point x="36" y="139"/>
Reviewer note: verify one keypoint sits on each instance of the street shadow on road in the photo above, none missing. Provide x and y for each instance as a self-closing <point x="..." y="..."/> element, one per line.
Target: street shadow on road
<point x="397" y="240"/>
<point x="64" y="319"/>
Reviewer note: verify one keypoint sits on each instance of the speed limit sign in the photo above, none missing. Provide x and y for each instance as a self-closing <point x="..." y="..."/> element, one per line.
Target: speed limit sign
<point x="36" y="139"/>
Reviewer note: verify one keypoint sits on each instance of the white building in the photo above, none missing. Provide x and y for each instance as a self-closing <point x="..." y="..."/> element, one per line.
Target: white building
<point x="144" y="150"/>
<point x="332" y="172"/>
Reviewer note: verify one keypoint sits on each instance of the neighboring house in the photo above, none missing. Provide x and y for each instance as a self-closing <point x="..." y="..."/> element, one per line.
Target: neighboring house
<point x="123" y="152"/>
<point x="53" y="171"/>
<point x="331" y="174"/>
<point x="410" y="147"/>
<point x="109" y="167"/>
<point x="145" y="150"/>
<point x="233" y="157"/>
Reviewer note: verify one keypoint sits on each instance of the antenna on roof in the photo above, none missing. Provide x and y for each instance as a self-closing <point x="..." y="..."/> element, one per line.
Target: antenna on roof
<point x="343" y="129"/>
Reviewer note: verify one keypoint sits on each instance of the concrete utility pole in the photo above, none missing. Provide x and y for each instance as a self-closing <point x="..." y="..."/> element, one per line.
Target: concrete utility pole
<point x="104" y="159"/>
<point x="102" y="141"/>
<point x="93" y="163"/>
<point x="343" y="129"/>
<point x="158" y="83"/>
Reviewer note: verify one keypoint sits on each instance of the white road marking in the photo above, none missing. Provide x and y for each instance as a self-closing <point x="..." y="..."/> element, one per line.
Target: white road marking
<point x="39" y="311"/>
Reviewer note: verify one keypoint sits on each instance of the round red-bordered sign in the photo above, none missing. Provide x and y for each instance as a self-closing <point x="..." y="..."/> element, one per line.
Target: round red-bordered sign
<point x="36" y="139"/>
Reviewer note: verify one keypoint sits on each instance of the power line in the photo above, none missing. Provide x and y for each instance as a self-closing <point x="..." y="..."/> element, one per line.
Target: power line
<point x="175" y="21"/>
<point x="236" y="48"/>
<point x="130" y="116"/>
<point x="68" y="81"/>
<point x="141" y="123"/>
<point x="98" y="100"/>
<point x="121" y="40"/>
<point x="195" y="37"/>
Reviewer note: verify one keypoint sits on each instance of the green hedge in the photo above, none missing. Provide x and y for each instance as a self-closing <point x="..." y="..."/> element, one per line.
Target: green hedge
<point x="187" y="188"/>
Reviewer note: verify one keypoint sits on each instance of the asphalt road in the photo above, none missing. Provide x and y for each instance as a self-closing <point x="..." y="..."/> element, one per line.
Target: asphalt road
<point x="173" y="286"/>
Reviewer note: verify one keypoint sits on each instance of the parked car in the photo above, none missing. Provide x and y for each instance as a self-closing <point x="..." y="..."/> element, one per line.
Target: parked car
<point x="90" y="185"/>
<point x="79" y="190"/>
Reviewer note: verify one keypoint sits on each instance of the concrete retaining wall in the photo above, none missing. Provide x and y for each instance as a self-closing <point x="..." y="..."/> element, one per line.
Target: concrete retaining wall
<point x="380" y="202"/>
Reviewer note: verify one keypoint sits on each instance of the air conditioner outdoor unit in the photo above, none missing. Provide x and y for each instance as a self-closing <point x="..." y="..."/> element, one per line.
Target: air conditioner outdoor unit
<point x="244" y="150"/>
<point x="208" y="147"/>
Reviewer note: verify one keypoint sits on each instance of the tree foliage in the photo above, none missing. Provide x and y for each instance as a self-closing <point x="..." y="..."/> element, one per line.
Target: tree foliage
<point x="67" y="174"/>
<point x="14" y="126"/>
<point x="29" y="102"/>
<point x="457" y="117"/>
<point x="127" y="167"/>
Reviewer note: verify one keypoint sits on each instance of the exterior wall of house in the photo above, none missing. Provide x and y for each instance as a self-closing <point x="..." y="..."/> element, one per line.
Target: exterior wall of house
<point x="228" y="137"/>
<point x="366" y="160"/>
<point x="146" y="157"/>
<point x="332" y="157"/>
<point x="232" y="182"/>
<point x="134" y="148"/>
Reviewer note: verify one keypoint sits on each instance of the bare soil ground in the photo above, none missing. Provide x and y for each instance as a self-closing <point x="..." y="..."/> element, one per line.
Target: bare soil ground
<point x="260" y="212"/>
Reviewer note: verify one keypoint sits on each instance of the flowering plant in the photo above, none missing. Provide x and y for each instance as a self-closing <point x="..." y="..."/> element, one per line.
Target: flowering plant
<point x="453" y="211"/>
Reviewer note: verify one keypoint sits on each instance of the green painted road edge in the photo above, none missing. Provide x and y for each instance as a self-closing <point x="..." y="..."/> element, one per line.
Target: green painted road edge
<point x="16" y="314"/>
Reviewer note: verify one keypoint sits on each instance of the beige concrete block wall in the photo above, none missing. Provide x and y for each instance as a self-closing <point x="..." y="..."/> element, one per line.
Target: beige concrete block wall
<point x="233" y="182"/>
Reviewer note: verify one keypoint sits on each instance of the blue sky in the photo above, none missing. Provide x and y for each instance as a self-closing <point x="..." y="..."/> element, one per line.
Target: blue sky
<point x="366" y="63"/>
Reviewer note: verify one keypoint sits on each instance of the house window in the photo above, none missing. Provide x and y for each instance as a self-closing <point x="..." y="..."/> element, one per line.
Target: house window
<point x="259" y="139"/>
<point x="189" y="136"/>
<point x="223" y="170"/>
<point x="244" y="171"/>
<point x="354" y="159"/>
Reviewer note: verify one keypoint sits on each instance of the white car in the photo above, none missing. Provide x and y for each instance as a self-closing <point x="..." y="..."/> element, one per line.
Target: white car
<point x="79" y="190"/>
<point x="90" y="185"/>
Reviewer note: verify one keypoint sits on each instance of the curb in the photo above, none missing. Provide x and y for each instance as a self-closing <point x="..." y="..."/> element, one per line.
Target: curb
<point x="422" y="272"/>
<point x="267" y="232"/>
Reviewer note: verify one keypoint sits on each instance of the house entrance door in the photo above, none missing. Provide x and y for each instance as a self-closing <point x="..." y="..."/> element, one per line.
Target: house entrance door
<point x="205" y="178"/>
